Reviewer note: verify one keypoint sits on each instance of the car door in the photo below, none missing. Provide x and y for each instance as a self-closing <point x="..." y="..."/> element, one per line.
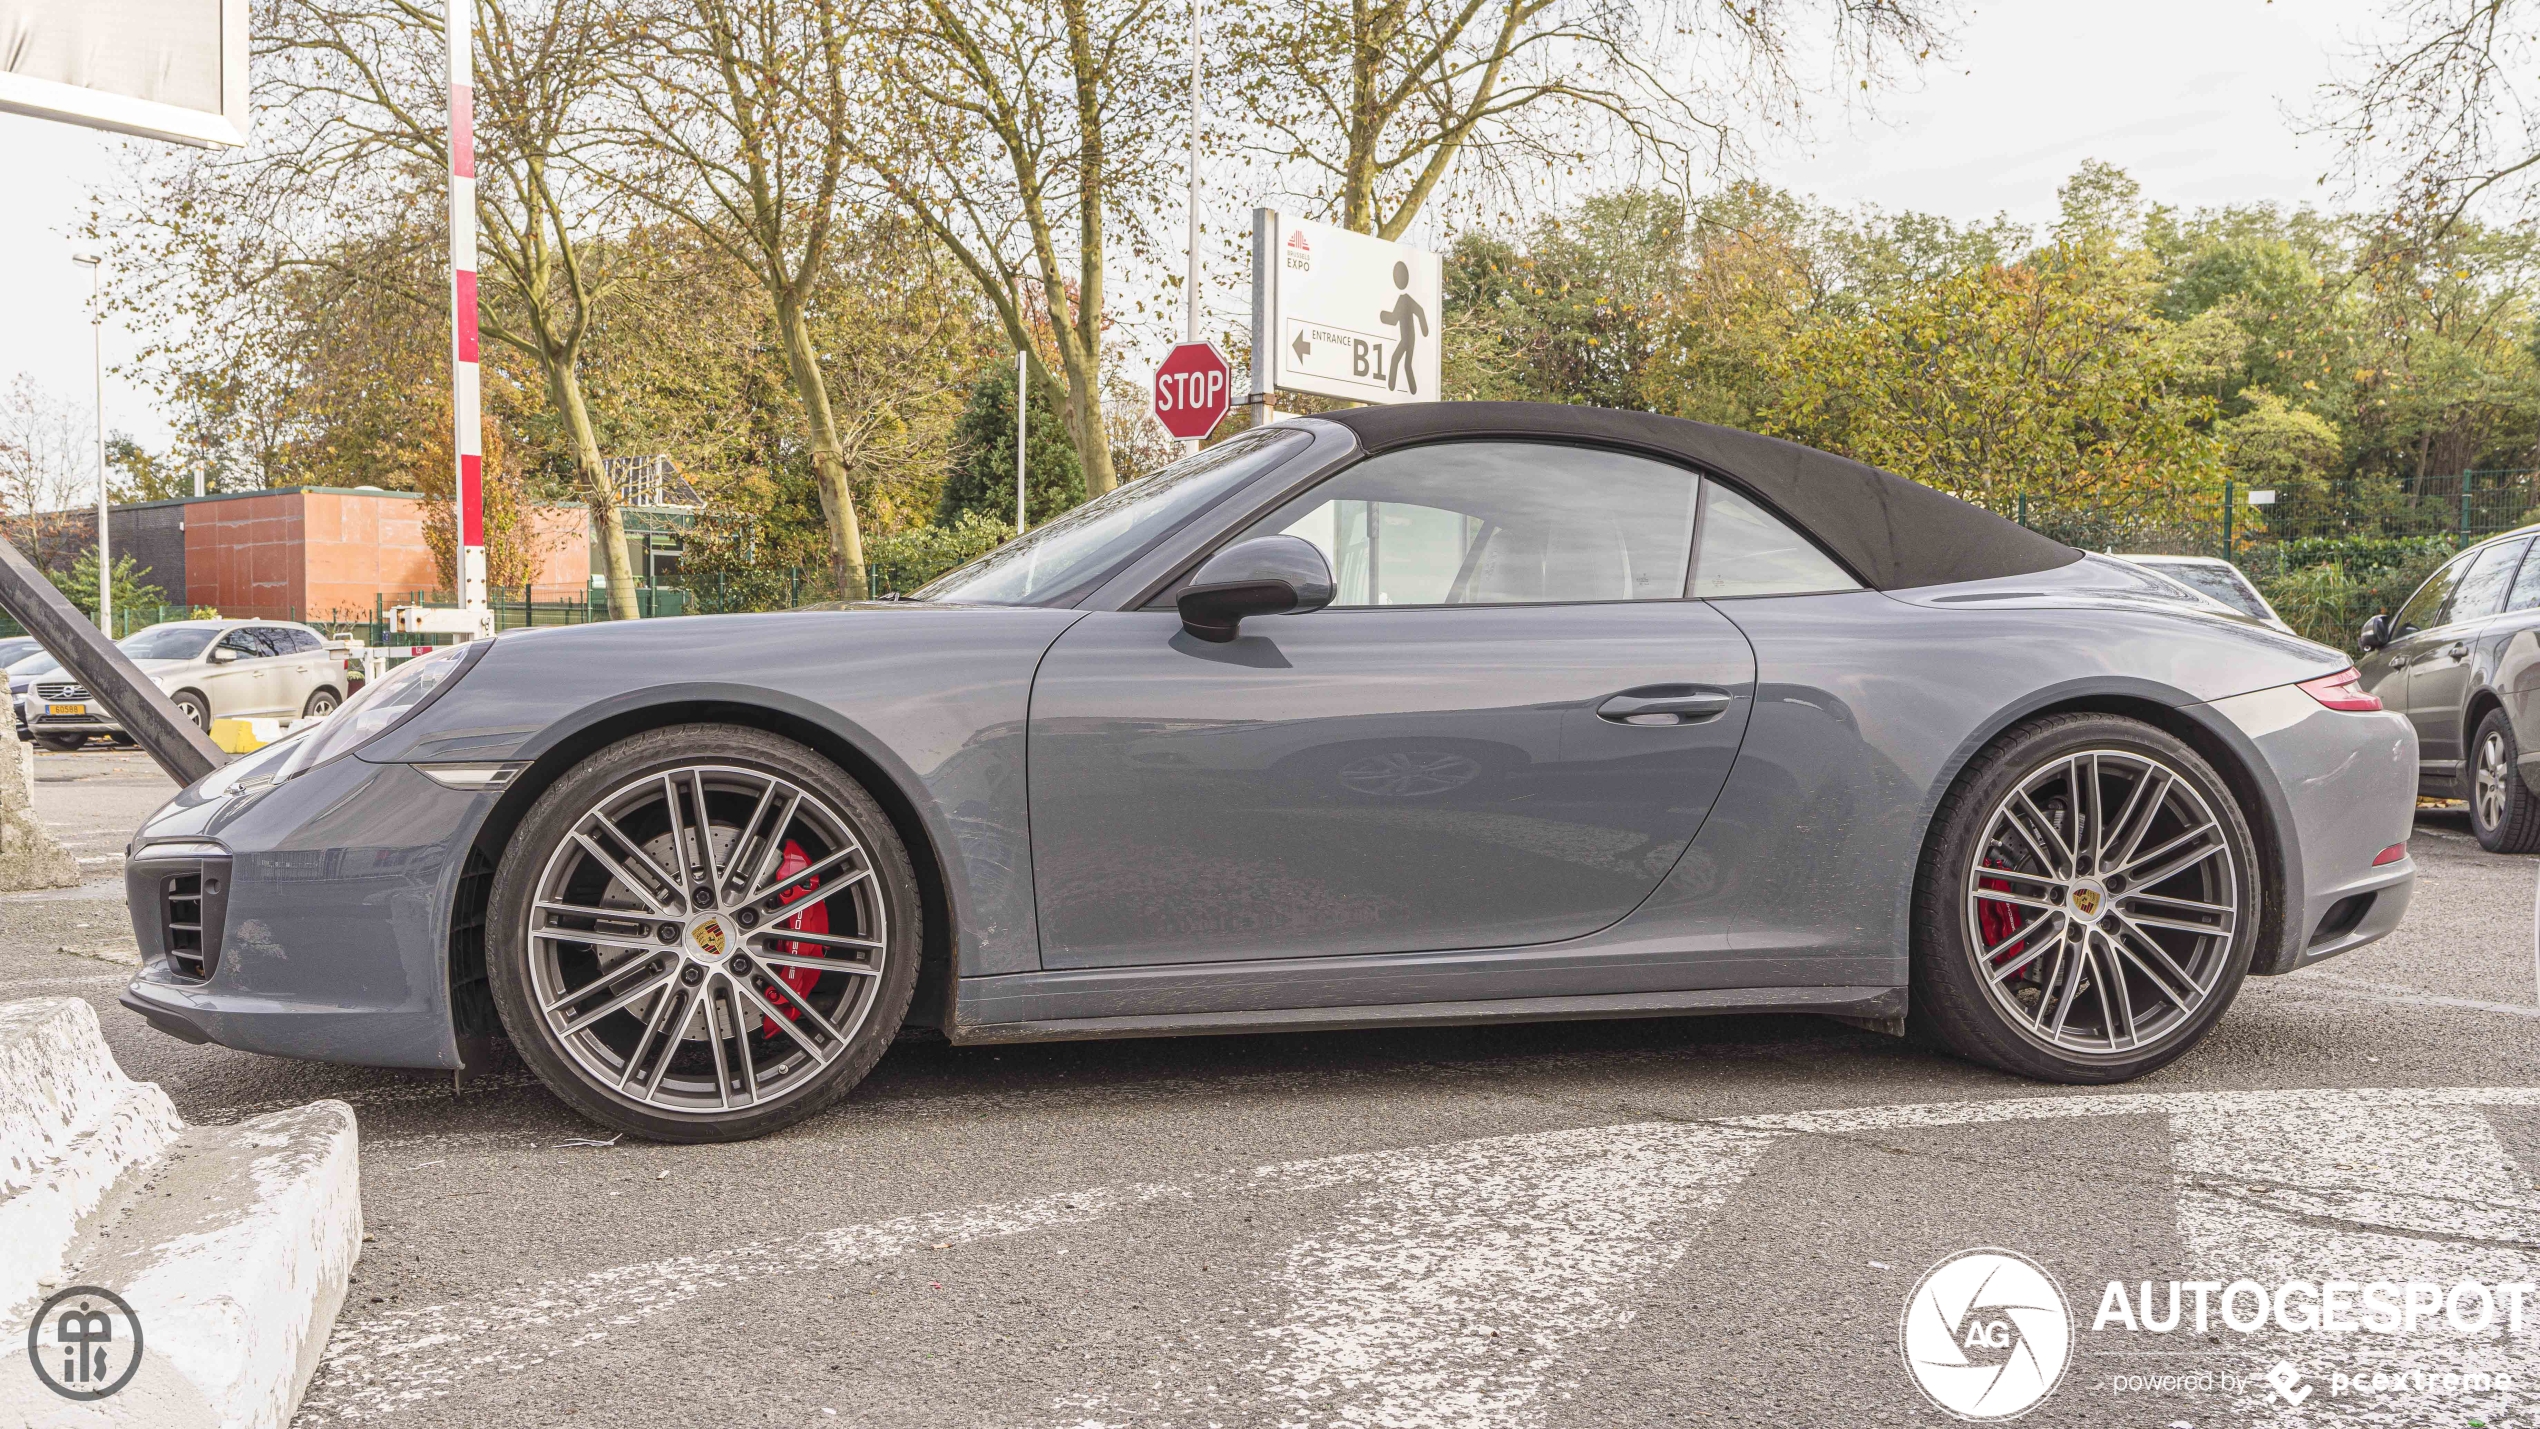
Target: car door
<point x="2441" y="658"/>
<point x="300" y="667"/>
<point x="1503" y="731"/>
<point x="235" y="687"/>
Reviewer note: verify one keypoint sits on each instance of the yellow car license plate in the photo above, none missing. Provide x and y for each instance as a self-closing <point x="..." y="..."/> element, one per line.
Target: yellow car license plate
<point x="66" y="709"/>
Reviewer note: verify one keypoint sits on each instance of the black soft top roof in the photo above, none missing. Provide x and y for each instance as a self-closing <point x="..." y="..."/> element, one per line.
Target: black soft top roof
<point x="1893" y="533"/>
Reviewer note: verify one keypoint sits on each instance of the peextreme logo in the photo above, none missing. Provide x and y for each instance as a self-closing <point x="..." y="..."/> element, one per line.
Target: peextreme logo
<point x="1986" y="1335"/>
<point x="85" y="1343"/>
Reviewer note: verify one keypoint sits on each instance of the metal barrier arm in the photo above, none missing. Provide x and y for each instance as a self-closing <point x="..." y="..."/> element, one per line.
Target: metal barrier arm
<point x="148" y="715"/>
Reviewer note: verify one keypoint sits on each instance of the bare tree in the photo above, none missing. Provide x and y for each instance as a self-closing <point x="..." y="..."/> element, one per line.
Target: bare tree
<point x="737" y="124"/>
<point x="1375" y="100"/>
<point x="1021" y="135"/>
<point x="360" y="84"/>
<point x="2444" y="114"/>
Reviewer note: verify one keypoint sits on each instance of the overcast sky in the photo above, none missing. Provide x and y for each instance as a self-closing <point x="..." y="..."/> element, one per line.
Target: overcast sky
<point x="2191" y="96"/>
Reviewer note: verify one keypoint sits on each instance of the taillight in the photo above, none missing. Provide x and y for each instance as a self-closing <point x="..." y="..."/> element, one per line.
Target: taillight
<point x="2342" y="691"/>
<point x="2392" y="854"/>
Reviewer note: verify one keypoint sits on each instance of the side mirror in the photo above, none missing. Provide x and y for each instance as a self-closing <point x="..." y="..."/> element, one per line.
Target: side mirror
<point x="223" y="655"/>
<point x="2375" y="634"/>
<point x="1267" y="575"/>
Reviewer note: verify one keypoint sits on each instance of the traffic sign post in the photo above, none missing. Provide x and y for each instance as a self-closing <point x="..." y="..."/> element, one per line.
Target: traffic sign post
<point x="1193" y="386"/>
<point x="1340" y="314"/>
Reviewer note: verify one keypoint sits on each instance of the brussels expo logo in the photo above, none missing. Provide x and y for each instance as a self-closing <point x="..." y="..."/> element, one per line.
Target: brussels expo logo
<point x="1986" y="1334"/>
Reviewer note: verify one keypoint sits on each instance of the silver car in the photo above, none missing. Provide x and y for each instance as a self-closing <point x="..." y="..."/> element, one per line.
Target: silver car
<point x="1439" y="713"/>
<point x="212" y="669"/>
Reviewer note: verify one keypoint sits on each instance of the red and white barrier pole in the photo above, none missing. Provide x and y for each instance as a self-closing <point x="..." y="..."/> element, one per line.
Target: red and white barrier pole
<point x="470" y="431"/>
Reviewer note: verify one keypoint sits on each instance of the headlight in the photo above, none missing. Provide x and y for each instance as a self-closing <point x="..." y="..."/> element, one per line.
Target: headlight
<point x="381" y="707"/>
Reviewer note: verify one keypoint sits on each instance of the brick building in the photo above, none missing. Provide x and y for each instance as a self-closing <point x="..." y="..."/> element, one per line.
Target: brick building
<point x="308" y="552"/>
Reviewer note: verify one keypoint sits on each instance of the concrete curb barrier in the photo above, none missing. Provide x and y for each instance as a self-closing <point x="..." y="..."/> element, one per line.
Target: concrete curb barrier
<point x="231" y="1244"/>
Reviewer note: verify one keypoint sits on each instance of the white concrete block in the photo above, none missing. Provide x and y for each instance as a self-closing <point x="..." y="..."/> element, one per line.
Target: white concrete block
<point x="232" y="1244"/>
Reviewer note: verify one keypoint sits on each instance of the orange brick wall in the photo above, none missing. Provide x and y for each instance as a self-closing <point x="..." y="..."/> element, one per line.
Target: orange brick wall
<point x="358" y="548"/>
<point x="311" y="555"/>
<point x="243" y="555"/>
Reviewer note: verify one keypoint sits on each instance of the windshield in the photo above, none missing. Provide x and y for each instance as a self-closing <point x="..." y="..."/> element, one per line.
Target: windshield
<point x="1092" y="538"/>
<point x="167" y="642"/>
<point x="34" y="665"/>
<point x="2221" y="582"/>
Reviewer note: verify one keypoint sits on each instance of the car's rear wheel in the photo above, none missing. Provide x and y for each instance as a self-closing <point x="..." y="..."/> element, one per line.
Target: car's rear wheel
<point x="703" y="933"/>
<point x="2503" y="812"/>
<point x="323" y="702"/>
<point x="2088" y="904"/>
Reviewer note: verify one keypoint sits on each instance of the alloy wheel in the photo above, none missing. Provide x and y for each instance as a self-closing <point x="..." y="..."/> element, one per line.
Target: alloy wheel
<point x="706" y="939"/>
<point x="2488" y="790"/>
<point x="2101" y="905"/>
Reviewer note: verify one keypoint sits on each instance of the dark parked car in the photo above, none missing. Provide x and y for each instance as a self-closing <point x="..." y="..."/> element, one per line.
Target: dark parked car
<point x="2462" y="660"/>
<point x="1447" y="713"/>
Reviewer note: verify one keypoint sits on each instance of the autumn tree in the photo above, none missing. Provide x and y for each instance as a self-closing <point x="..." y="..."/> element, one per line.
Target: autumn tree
<point x="1026" y="138"/>
<point x="360" y="82"/>
<point x="1374" y="102"/>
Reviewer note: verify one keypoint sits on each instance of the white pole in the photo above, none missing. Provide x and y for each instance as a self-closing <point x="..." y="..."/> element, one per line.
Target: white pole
<point x="1022" y="384"/>
<point x="97" y="357"/>
<point x="469" y="428"/>
<point x="1190" y="281"/>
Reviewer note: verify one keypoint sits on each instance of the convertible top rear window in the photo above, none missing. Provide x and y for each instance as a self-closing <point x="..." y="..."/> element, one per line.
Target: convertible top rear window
<point x="1096" y="537"/>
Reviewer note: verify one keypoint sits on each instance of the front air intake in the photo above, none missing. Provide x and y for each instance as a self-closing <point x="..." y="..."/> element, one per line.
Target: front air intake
<point x="180" y="904"/>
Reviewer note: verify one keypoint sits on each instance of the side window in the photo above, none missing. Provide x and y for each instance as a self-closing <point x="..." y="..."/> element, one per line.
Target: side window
<point x="270" y="641"/>
<point x="243" y="643"/>
<point x="2526" y="591"/>
<point x="1499" y="523"/>
<point x="1746" y="550"/>
<point x="305" y="642"/>
<point x="2482" y="590"/>
<point x="2425" y="608"/>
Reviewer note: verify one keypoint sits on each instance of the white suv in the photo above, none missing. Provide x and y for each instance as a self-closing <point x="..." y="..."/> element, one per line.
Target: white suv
<point x="212" y="669"/>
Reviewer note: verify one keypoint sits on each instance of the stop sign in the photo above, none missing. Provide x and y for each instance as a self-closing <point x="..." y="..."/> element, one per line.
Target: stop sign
<point x="1192" y="389"/>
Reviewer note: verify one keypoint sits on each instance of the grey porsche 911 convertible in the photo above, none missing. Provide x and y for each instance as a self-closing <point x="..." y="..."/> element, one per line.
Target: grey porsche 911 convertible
<point x="1441" y="713"/>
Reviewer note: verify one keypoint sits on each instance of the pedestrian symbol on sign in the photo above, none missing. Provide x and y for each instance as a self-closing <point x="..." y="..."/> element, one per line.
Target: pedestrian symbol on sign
<point x="1405" y="311"/>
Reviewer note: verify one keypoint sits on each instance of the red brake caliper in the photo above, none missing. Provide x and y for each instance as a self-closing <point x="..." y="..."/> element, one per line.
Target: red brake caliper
<point x="814" y="919"/>
<point x="1997" y="921"/>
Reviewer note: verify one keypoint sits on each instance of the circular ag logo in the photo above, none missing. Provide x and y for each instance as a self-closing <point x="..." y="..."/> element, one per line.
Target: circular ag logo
<point x="1986" y="1335"/>
<point x="85" y="1342"/>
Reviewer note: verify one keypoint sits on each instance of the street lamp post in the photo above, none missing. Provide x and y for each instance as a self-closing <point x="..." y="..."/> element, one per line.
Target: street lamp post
<point x="96" y="266"/>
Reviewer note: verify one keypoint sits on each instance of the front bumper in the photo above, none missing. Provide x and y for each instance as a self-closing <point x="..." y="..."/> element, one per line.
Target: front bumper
<point x="2349" y="785"/>
<point x="321" y="912"/>
<point x="39" y="717"/>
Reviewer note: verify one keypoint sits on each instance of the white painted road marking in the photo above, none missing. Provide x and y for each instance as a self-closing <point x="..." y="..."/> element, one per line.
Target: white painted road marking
<point x="1554" y="1232"/>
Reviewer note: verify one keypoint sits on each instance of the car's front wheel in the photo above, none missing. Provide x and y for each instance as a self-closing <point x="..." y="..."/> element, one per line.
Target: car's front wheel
<point x="2087" y="905"/>
<point x="2503" y="812"/>
<point x="192" y="705"/>
<point x="703" y="933"/>
<point x="62" y="743"/>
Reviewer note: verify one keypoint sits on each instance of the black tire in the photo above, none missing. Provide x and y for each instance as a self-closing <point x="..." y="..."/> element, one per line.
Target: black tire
<point x="120" y="741"/>
<point x="322" y="702"/>
<point x="2503" y="812"/>
<point x="192" y="705"/>
<point x="62" y="743"/>
<point x="1975" y="1015"/>
<point x="880" y="1002"/>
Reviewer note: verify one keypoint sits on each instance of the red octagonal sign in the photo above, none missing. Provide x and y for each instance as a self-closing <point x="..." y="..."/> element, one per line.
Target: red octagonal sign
<point x="1192" y="389"/>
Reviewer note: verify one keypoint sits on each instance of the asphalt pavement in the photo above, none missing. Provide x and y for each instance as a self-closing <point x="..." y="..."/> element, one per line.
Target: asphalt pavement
<point x="1701" y="1220"/>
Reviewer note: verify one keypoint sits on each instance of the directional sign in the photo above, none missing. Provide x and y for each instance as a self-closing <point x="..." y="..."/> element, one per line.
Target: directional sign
<point x="1340" y="314"/>
<point x="1192" y="389"/>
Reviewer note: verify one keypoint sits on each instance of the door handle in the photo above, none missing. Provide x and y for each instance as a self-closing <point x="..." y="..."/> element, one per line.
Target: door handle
<point x="1664" y="704"/>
